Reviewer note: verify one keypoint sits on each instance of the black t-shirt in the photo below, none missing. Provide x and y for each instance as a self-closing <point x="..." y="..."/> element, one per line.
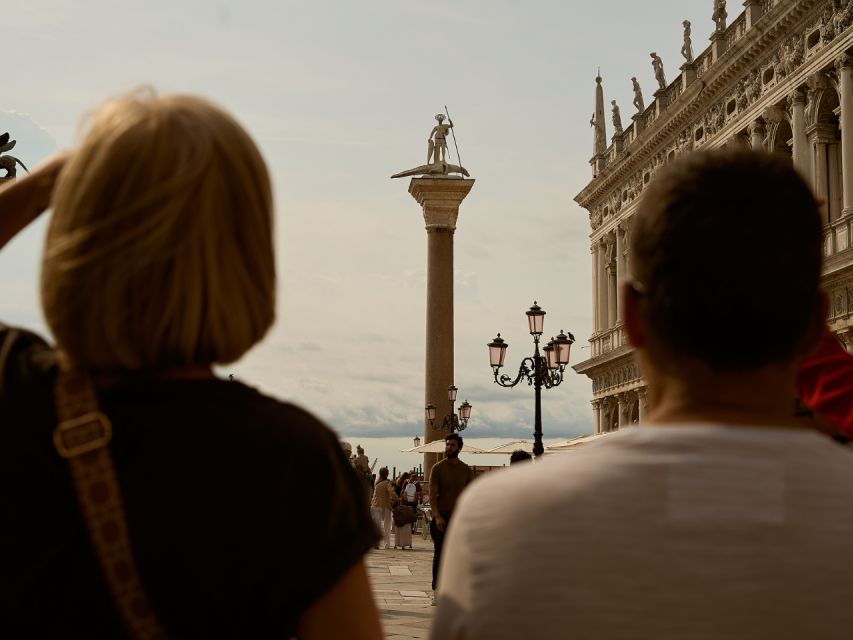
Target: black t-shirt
<point x="242" y="510"/>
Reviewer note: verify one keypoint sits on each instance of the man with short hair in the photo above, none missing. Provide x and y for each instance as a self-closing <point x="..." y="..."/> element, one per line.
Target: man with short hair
<point x="721" y="516"/>
<point x="448" y="479"/>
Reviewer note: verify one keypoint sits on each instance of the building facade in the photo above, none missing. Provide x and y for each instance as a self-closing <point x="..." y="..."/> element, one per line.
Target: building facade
<point x="779" y="77"/>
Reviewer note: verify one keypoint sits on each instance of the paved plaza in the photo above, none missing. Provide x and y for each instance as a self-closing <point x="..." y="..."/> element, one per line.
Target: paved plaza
<point x="401" y="582"/>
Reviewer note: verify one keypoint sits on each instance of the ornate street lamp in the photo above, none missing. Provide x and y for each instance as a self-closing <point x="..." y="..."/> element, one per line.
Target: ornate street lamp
<point x="417" y="441"/>
<point x="540" y="370"/>
<point x="451" y="421"/>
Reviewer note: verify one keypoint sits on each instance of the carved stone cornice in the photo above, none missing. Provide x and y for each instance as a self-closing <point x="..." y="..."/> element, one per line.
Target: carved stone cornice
<point x="758" y="42"/>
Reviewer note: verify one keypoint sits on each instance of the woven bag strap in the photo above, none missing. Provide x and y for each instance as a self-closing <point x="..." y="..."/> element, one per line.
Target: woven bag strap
<point x="82" y="437"/>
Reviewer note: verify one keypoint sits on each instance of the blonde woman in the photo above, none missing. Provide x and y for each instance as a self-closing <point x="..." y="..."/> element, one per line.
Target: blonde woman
<point x="159" y="263"/>
<point x="382" y="503"/>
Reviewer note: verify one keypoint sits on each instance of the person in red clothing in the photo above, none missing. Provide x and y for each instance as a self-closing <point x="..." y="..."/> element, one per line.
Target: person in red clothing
<point x="825" y="386"/>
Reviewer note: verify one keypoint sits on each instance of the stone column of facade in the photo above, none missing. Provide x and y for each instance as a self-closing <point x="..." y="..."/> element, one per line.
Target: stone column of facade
<point x="801" y="151"/>
<point x="641" y="404"/>
<point x="620" y="269"/>
<point x="596" y="416"/>
<point x="845" y="73"/>
<point x="596" y="321"/>
<point x="602" y="285"/>
<point x="611" y="281"/>
<point x="620" y="410"/>
<point x="819" y="137"/>
<point x="440" y="199"/>
<point x="756" y="135"/>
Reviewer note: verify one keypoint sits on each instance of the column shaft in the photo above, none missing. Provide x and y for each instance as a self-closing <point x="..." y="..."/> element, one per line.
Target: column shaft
<point x="846" y="77"/>
<point x="595" y="318"/>
<point x="801" y="153"/>
<point x="820" y="178"/>
<point x="602" y="289"/>
<point x="620" y="271"/>
<point x="611" y="295"/>
<point x="641" y="404"/>
<point x="596" y="416"/>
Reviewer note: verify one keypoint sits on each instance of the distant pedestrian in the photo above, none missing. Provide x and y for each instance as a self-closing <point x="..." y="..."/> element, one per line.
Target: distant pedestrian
<point x="448" y="479"/>
<point x="721" y="516"/>
<point x="410" y="495"/>
<point x="381" y="505"/>
<point x="519" y="455"/>
<point x="361" y="463"/>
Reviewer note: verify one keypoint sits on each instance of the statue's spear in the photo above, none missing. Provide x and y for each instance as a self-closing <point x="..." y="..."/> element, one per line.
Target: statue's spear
<point x="453" y="133"/>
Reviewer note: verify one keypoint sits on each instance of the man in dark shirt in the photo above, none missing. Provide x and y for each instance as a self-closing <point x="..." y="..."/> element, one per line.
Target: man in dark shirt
<point x="446" y="481"/>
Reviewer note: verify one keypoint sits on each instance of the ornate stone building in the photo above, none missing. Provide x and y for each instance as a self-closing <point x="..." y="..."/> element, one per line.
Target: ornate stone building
<point x="780" y="78"/>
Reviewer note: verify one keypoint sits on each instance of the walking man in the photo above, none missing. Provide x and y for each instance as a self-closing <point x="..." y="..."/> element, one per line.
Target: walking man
<point x="723" y="515"/>
<point x="446" y="482"/>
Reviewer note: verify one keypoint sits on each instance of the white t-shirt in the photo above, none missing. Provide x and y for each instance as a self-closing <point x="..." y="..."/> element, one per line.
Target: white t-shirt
<point x="687" y="532"/>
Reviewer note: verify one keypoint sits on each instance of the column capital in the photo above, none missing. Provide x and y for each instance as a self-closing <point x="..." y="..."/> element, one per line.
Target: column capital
<point x="757" y="127"/>
<point x="440" y="199"/>
<point x="797" y="97"/>
<point x="844" y="61"/>
<point x="641" y="392"/>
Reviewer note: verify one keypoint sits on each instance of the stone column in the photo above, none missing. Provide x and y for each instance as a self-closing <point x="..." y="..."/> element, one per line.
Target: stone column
<point x="819" y="137"/>
<point x="596" y="321"/>
<point x="845" y="73"/>
<point x="440" y="199"/>
<point x="620" y="410"/>
<point x="611" y="295"/>
<point x="610" y="268"/>
<point x="801" y="151"/>
<point x="620" y="270"/>
<point x="602" y="286"/>
<point x="756" y="135"/>
<point x="641" y="404"/>
<point x="596" y="416"/>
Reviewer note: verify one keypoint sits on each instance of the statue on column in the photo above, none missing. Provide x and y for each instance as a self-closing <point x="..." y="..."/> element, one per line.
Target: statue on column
<point x="8" y="162"/>
<point x="437" y="165"/>
<point x="720" y="15"/>
<point x="437" y="142"/>
<point x="657" y="65"/>
<point x="638" y="96"/>
<point x="617" y="118"/>
<point x="687" y="47"/>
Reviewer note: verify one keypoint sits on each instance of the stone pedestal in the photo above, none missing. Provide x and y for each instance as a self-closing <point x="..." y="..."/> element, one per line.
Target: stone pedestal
<point x="752" y="9"/>
<point x="618" y="142"/>
<point x="718" y="45"/>
<point x="688" y="75"/>
<point x="660" y="102"/>
<point x="439" y="198"/>
<point x="638" y="123"/>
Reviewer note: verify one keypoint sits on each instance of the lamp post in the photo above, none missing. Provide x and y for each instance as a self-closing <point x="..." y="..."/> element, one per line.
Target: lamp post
<point x="417" y="441"/>
<point x="451" y="422"/>
<point x="538" y="370"/>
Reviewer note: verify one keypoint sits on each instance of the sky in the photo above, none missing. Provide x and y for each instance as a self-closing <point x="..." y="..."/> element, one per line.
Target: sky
<point x="339" y="96"/>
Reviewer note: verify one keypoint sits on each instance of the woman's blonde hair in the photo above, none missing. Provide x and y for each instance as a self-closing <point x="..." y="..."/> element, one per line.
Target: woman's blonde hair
<point x="159" y="254"/>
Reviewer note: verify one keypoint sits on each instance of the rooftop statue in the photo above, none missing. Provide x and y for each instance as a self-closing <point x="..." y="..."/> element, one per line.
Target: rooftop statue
<point x="687" y="47"/>
<point x="8" y="162"/>
<point x="657" y="65"/>
<point x="617" y="118"/>
<point x="436" y="153"/>
<point x="638" y="96"/>
<point x="720" y="15"/>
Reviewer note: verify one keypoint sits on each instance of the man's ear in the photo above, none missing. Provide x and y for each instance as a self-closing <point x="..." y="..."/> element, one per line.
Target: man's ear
<point x="634" y="325"/>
